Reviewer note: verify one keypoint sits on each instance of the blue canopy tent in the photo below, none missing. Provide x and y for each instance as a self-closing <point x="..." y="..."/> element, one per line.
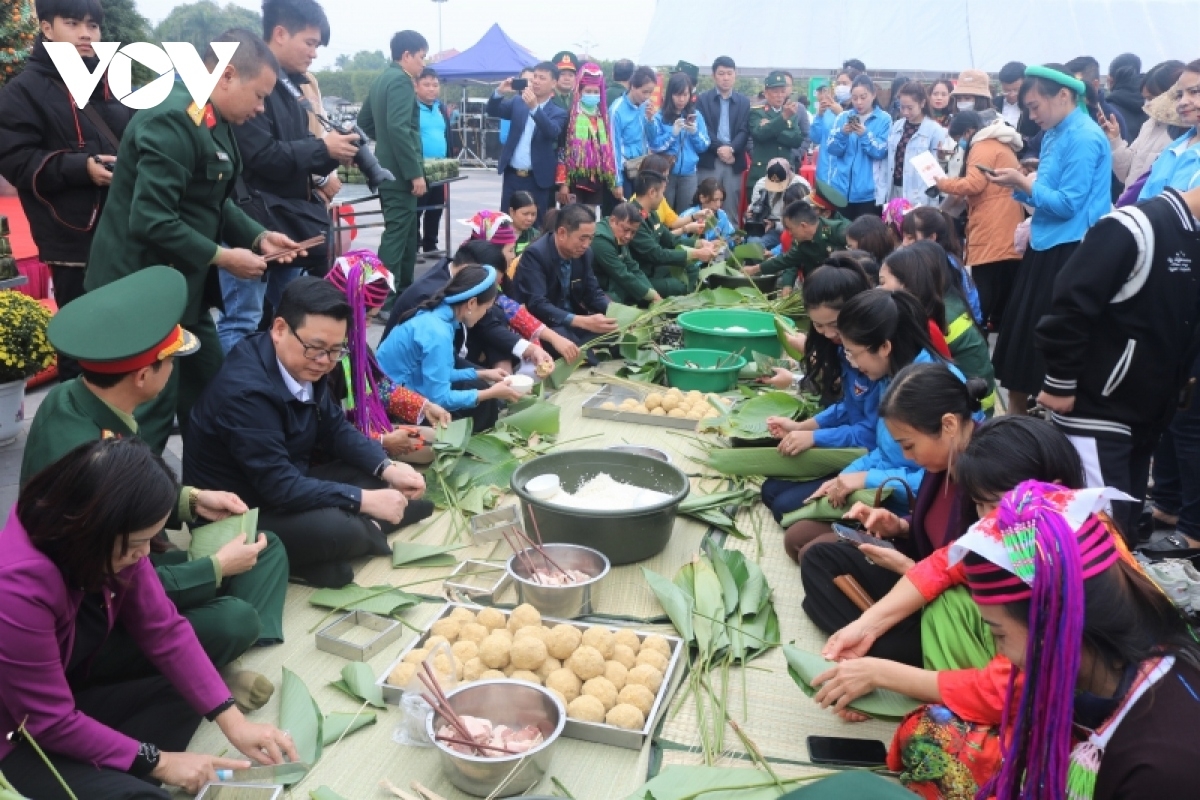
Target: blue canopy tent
<point x="492" y="59"/>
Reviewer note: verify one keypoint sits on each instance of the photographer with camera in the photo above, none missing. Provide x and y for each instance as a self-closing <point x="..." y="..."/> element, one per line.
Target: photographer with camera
<point x="391" y="118"/>
<point x="281" y="156"/>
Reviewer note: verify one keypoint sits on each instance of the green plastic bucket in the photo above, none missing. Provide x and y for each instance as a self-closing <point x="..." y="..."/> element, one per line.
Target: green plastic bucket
<point x="707" y="378"/>
<point x="700" y="331"/>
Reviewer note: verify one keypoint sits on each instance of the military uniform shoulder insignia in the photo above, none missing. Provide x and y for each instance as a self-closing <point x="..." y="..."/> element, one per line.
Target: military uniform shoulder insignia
<point x="107" y="434"/>
<point x="205" y="115"/>
<point x="757" y="108"/>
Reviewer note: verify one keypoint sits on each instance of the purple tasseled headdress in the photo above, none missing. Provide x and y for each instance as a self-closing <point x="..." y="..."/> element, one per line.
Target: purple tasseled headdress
<point x="367" y="411"/>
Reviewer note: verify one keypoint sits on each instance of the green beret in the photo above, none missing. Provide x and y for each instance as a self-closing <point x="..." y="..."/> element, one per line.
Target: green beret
<point x="134" y="316"/>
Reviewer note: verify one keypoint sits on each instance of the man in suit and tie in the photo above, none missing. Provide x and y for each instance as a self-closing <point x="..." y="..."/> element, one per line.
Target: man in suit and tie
<point x="529" y="158"/>
<point x="726" y="114"/>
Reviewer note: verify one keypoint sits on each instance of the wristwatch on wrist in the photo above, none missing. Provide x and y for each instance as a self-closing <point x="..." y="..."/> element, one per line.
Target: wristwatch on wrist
<point x="193" y="502"/>
<point x="146" y="760"/>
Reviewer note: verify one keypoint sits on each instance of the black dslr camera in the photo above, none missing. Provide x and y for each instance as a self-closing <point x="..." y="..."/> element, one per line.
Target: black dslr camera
<point x="364" y="159"/>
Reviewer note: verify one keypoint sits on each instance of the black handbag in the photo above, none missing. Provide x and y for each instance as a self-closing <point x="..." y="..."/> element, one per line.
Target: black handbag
<point x="299" y="220"/>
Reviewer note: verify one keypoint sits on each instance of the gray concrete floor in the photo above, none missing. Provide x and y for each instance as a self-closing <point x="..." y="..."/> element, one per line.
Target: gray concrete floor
<point x="481" y="190"/>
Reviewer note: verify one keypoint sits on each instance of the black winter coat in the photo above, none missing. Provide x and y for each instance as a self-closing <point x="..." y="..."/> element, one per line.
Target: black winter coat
<point x="45" y="144"/>
<point x="1128" y="100"/>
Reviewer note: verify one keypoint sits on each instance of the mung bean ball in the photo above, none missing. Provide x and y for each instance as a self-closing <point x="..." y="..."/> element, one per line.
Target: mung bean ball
<point x="624" y="656"/>
<point x="656" y="642"/>
<point x="416" y="656"/>
<point x="524" y="616"/>
<point x="601" y="639"/>
<point x="603" y="690"/>
<point x="494" y="651"/>
<point x="525" y="675"/>
<point x="473" y="669"/>
<point x="491" y="619"/>
<point x="629" y="639"/>
<point x="492" y="675"/>
<point x="549" y="665"/>
<point x="528" y="653"/>
<point x="463" y="615"/>
<point x="503" y="632"/>
<point x="586" y="662"/>
<point x="637" y="695"/>
<point x="434" y="641"/>
<point x="464" y="650"/>
<point x="560" y="697"/>
<point x="616" y="673"/>
<point x="565" y="682"/>
<point x="654" y="659"/>
<point x="645" y="675"/>
<point x="626" y="716"/>
<point x="586" y="708"/>
<point x="563" y="641"/>
<point x="536" y="631"/>
<point x="447" y="627"/>
<point x="472" y="632"/>
<point x="402" y="674"/>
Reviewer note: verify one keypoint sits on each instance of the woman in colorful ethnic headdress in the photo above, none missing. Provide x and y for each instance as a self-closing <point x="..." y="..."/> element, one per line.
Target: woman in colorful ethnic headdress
<point x="1108" y="704"/>
<point x="375" y="405"/>
<point x="590" y="164"/>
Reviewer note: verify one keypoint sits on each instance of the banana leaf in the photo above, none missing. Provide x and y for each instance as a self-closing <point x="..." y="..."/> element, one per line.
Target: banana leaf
<point x="488" y="447"/>
<point x="821" y="511"/>
<point x="810" y="465"/>
<point x="563" y="370"/>
<point x="882" y="704"/>
<point x="729" y="584"/>
<point x="698" y="502"/>
<point x="711" y="637"/>
<point x="677" y="603"/>
<point x="623" y="314"/>
<point x="301" y="718"/>
<point x="781" y="331"/>
<point x="381" y="600"/>
<point x="538" y="417"/>
<point x="454" y="436"/>
<point x="208" y="539"/>
<point x="686" y="783"/>
<point x="749" y="420"/>
<point x="750" y="251"/>
<point x="324" y="793"/>
<point x="413" y="555"/>
<point x="342" y="724"/>
<point x="754" y="593"/>
<point x="358" y="681"/>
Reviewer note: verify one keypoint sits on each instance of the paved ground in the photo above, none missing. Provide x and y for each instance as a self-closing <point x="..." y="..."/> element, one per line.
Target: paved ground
<point x="481" y="190"/>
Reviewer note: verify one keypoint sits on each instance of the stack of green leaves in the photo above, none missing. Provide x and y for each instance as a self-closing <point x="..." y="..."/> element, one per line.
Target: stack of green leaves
<point x="748" y="419"/>
<point x="768" y="462"/>
<point x="881" y="704"/>
<point x="720" y="603"/>
<point x="312" y="731"/>
<point x="718" y="508"/>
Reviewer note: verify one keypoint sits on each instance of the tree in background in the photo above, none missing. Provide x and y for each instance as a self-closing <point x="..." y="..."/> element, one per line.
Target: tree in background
<point x="123" y="23"/>
<point x="202" y="22"/>
<point x="363" y="60"/>
<point x="18" y="29"/>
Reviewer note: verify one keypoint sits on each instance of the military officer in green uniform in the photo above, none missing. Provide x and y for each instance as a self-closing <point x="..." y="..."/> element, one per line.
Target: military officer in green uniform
<point x="567" y="64"/>
<point x="773" y="127"/>
<point x="673" y="268"/>
<point x="616" y="269"/>
<point x="814" y="238"/>
<point x="127" y="338"/>
<point x="390" y="117"/>
<point x="171" y="203"/>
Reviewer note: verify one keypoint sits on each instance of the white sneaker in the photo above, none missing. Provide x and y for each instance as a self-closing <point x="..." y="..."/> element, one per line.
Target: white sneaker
<point x="1174" y="581"/>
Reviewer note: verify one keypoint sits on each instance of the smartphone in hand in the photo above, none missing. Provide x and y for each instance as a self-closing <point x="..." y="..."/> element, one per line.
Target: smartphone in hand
<point x="986" y="170"/>
<point x="853" y="532"/>
<point x="520" y="84"/>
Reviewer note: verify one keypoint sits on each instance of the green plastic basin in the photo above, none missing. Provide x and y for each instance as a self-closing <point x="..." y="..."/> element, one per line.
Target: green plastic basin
<point x="623" y="536"/>
<point x="707" y="378"/>
<point x="700" y="331"/>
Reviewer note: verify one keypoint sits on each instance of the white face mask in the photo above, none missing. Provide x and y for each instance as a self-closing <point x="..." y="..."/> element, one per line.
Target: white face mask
<point x="966" y="105"/>
<point x="841" y="93"/>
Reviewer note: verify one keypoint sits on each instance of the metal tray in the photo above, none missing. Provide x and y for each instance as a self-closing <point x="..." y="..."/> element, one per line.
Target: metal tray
<point x="616" y="394"/>
<point x="479" y="588"/>
<point x="575" y="729"/>
<point x="490" y="526"/>
<point x="330" y="638"/>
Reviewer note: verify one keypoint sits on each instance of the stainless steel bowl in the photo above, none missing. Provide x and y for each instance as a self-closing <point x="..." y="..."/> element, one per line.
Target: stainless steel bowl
<point x="505" y="702"/>
<point x="560" y="602"/>
<point x="642" y="450"/>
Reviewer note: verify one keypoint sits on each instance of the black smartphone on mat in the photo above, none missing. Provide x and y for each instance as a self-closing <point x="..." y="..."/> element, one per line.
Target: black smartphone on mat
<point x="519" y="84"/>
<point x="851" y="752"/>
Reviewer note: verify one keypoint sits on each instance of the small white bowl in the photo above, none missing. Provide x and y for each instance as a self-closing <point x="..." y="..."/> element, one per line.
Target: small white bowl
<point x="543" y="487"/>
<point x="522" y="383"/>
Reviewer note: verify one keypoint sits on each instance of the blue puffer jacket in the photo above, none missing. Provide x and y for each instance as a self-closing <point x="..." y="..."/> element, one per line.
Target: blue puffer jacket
<point x="854" y="159"/>
<point x="686" y="147"/>
<point x="851" y="421"/>
<point x="887" y="460"/>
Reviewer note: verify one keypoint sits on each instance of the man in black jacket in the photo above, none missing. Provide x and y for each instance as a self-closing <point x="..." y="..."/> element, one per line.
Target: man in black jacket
<point x="266" y="418"/>
<point x="1008" y="102"/>
<point x="726" y="115"/>
<point x="1119" y="340"/>
<point x="282" y="159"/>
<point x="60" y="158"/>
<point x="556" y="283"/>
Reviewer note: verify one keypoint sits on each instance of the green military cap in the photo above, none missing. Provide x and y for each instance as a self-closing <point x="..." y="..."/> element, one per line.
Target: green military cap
<point x="831" y="195"/>
<point x="566" y="60"/>
<point x="691" y="70"/>
<point x="126" y="325"/>
<point x="776" y="80"/>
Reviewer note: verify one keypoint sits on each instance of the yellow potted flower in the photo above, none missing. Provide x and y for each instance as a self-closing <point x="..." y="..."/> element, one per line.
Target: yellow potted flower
<point x="24" y="352"/>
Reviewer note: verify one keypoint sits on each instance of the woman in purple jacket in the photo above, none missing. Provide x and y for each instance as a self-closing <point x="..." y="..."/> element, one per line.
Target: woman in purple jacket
<point x="72" y="564"/>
